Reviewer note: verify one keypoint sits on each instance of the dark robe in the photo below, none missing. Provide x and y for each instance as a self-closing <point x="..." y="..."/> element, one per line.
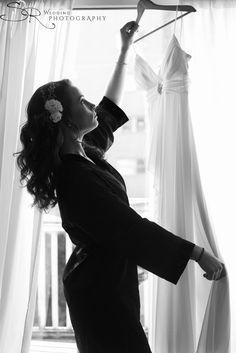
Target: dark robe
<point x="100" y="278"/>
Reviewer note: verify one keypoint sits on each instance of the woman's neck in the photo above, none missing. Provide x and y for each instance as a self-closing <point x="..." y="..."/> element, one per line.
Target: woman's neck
<point x="74" y="147"/>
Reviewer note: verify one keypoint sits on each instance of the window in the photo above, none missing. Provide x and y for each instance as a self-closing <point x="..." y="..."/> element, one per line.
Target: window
<point x="131" y="166"/>
<point x="140" y="123"/>
<point x="89" y="67"/>
<point x="140" y="166"/>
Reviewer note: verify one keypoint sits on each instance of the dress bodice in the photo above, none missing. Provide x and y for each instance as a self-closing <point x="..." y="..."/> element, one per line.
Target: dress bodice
<point x="175" y="63"/>
<point x="173" y="72"/>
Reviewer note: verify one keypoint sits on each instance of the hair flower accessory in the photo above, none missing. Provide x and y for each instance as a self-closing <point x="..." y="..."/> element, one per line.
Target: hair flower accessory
<point x="54" y="106"/>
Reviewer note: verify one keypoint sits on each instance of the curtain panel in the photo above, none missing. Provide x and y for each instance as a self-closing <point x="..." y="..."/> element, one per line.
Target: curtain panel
<point x="20" y="74"/>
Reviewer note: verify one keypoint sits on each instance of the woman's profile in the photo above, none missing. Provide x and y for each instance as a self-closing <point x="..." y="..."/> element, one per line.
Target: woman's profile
<point x="62" y="161"/>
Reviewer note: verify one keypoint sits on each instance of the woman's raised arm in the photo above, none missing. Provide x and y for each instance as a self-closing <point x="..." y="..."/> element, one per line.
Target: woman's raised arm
<point x="115" y="87"/>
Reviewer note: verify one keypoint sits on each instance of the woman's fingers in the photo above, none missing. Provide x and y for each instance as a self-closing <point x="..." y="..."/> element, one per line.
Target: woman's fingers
<point x="129" y="27"/>
<point x="209" y="276"/>
<point x="212" y="266"/>
<point x="217" y="274"/>
<point x="127" y="33"/>
<point x="223" y="271"/>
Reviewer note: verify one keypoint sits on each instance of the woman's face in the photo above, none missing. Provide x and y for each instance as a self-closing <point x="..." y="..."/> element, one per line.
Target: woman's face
<point x="82" y="111"/>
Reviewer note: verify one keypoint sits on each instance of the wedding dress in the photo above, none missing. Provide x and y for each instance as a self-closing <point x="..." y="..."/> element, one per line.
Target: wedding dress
<point x="194" y="315"/>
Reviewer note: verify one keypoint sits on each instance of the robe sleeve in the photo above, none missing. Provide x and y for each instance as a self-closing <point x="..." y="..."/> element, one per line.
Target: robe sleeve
<point x="110" y="118"/>
<point x="109" y="221"/>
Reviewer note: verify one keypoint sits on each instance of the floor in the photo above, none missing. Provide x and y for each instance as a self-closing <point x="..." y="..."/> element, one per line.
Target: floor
<point x="43" y="346"/>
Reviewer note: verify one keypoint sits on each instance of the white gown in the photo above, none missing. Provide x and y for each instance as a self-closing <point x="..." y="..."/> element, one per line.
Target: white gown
<point x="194" y="315"/>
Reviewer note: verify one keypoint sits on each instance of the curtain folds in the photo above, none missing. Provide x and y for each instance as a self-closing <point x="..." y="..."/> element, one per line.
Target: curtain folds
<point x="209" y="3"/>
<point x="22" y="45"/>
<point x="194" y="316"/>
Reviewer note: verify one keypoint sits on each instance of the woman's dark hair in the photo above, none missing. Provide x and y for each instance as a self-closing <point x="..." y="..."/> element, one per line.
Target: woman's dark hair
<point x="41" y="140"/>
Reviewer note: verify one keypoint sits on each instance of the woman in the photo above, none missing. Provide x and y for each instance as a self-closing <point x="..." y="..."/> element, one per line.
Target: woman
<point x="64" y="141"/>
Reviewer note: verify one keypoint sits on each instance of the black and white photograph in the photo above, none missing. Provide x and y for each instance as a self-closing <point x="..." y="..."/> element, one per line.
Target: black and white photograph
<point x="117" y="176"/>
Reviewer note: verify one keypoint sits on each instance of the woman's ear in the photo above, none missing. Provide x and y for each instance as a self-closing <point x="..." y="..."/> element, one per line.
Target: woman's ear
<point x="69" y="128"/>
<point x="67" y="124"/>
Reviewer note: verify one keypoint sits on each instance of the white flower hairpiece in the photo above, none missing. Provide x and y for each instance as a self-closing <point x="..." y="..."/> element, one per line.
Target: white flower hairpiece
<point x="54" y="106"/>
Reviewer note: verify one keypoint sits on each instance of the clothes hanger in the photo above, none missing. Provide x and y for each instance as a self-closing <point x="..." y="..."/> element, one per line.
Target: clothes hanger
<point x="148" y="4"/>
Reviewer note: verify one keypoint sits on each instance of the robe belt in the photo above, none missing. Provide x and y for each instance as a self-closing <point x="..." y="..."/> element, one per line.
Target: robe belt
<point x="79" y="254"/>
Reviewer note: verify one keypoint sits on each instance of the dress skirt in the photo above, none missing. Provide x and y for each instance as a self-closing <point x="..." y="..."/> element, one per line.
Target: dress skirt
<point x="103" y="299"/>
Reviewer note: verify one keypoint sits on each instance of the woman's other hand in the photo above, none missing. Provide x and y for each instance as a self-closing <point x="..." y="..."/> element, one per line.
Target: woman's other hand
<point x="127" y="33"/>
<point x="214" y="269"/>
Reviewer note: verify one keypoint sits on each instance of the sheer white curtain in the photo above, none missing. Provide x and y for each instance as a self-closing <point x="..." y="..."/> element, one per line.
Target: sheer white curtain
<point x="23" y="44"/>
<point x="208" y="36"/>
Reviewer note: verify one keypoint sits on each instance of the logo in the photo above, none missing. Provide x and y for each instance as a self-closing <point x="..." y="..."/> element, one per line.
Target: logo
<point x="26" y="12"/>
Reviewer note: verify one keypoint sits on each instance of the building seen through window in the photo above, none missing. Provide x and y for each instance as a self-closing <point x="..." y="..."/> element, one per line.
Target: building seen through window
<point x="131" y="166"/>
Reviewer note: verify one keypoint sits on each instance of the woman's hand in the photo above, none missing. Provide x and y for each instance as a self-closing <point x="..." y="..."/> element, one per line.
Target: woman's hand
<point x="127" y="33"/>
<point x="214" y="269"/>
